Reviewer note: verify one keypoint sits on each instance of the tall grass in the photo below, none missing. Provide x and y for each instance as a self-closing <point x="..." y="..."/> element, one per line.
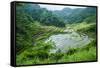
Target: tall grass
<point x="41" y="55"/>
<point x="86" y="53"/>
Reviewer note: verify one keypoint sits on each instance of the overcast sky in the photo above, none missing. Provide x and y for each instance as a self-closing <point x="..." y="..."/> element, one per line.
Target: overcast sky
<point x="58" y="7"/>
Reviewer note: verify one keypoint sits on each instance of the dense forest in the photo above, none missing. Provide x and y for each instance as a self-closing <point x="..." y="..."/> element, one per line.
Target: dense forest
<point x="37" y="28"/>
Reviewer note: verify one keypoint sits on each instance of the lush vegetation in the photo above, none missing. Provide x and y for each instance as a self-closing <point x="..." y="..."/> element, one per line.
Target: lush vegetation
<point x="35" y="24"/>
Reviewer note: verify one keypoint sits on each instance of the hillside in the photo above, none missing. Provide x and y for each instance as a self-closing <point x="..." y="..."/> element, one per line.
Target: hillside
<point x="76" y="15"/>
<point x="44" y="36"/>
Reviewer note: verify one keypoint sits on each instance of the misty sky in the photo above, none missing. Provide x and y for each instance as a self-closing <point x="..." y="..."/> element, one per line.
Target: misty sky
<point x="57" y="7"/>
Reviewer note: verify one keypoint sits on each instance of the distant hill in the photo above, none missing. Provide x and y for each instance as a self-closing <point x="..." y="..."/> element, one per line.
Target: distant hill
<point x="42" y="15"/>
<point x="76" y="15"/>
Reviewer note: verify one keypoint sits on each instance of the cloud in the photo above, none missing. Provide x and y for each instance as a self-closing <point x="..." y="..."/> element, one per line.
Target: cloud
<point x="58" y="7"/>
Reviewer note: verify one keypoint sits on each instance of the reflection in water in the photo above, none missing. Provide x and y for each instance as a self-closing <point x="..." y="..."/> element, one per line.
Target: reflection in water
<point x="66" y="41"/>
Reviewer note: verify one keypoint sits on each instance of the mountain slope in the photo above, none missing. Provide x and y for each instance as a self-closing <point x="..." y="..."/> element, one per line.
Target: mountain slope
<point x="76" y="15"/>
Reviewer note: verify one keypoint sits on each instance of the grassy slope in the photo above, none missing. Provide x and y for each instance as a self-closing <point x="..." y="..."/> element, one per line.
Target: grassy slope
<point x="37" y="55"/>
<point x="26" y="56"/>
<point x="87" y="53"/>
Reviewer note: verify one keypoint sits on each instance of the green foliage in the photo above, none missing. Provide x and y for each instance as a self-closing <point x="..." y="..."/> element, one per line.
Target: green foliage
<point x="56" y="56"/>
<point x="37" y="55"/>
<point x="77" y="15"/>
<point x="35" y="24"/>
<point x="50" y="19"/>
<point x="41" y="15"/>
<point x="87" y="53"/>
<point x="39" y="51"/>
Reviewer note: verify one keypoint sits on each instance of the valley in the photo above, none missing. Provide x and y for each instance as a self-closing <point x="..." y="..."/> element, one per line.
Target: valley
<point x="45" y="37"/>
